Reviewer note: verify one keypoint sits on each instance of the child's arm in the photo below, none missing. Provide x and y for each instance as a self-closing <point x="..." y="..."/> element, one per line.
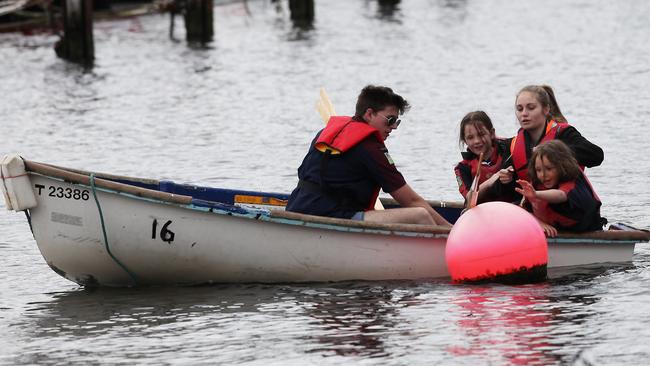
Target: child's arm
<point x="549" y="195"/>
<point x="485" y="185"/>
<point x="485" y="189"/>
<point x="552" y="195"/>
<point x="527" y="190"/>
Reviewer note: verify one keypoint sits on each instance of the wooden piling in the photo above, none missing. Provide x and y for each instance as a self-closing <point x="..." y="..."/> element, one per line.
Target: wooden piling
<point x="199" y="20"/>
<point x="387" y="8"/>
<point x="174" y="7"/>
<point x="302" y="12"/>
<point x="77" y="44"/>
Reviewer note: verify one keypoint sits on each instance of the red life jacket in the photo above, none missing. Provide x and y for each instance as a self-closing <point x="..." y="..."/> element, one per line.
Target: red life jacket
<point x="340" y="135"/>
<point x="544" y="212"/>
<point x="487" y="171"/>
<point x="518" y="147"/>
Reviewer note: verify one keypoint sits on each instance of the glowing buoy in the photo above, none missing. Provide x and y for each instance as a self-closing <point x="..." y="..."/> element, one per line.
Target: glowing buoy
<point x="497" y="241"/>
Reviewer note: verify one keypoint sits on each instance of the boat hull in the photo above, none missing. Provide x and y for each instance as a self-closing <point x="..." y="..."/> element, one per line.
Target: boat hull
<point x="120" y="231"/>
<point x="209" y="247"/>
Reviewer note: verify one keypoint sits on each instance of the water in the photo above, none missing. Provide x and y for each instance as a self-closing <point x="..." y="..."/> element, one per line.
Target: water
<point x="240" y="114"/>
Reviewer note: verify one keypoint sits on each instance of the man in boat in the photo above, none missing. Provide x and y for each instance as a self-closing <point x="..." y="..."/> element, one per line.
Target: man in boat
<point x="348" y="163"/>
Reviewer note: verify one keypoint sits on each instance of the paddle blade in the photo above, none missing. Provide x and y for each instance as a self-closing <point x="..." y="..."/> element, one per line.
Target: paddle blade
<point x="472" y="199"/>
<point x="472" y="195"/>
<point x="327" y="103"/>
<point x="378" y="205"/>
<point x="323" y="111"/>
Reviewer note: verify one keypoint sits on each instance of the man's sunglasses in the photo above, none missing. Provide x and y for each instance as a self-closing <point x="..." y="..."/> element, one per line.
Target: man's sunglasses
<point x="392" y="120"/>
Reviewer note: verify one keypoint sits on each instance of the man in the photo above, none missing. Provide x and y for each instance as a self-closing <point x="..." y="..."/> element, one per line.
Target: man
<point x="348" y="163"/>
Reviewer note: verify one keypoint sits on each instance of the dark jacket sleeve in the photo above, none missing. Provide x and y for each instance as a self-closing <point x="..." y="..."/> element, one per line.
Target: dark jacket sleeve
<point x="499" y="191"/>
<point x="587" y="153"/>
<point x="463" y="178"/>
<point x="586" y="208"/>
<point x="503" y="192"/>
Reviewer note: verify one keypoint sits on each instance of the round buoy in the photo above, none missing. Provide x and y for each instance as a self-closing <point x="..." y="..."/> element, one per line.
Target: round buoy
<point x="497" y="241"/>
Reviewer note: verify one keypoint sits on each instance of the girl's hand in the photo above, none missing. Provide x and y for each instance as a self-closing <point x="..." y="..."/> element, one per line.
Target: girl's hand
<point x="549" y="230"/>
<point x="526" y="190"/>
<point x="506" y="175"/>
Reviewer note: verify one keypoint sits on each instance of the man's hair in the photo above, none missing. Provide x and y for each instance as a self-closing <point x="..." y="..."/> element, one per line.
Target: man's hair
<point x="378" y="98"/>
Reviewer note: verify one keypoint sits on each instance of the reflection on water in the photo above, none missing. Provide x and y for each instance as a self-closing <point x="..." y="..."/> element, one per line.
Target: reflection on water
<point x="540" y="324"/>
<point x="347" y="319"/>
<point x="533" y="324"/>
<point x="354" y="321"/>
<point x="512" y="323"/>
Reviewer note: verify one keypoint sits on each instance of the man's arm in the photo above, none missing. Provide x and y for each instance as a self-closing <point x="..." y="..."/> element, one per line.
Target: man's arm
<point x="407" y="197"/>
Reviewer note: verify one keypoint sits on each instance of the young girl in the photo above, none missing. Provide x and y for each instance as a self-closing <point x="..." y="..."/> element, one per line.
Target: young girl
<point x="477" y="133"/>
<point x="559" y="193"/>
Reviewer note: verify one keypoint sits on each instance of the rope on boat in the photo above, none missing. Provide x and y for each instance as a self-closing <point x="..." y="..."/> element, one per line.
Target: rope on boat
<point x="101" y="219"/>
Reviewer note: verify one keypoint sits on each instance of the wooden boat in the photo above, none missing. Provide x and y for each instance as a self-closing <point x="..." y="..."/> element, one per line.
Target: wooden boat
<point x="102" y="229"/>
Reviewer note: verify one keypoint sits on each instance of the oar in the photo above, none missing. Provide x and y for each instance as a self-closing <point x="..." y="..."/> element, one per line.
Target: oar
<point x="325" y="108"/>
<point x="473" y="189"/>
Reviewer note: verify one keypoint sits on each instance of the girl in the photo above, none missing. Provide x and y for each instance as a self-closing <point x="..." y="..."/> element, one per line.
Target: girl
<point x="559" y="193"/>
<point x="541" y="120"/>
<point x="477" y="133"/>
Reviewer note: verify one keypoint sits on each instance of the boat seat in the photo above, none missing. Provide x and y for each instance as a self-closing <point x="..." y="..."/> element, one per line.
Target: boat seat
<point x="223" y="195"/>
<point x="221" y="206"/>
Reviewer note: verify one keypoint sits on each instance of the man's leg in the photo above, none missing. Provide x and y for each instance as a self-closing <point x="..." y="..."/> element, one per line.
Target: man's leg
<point x="404" y="215"/>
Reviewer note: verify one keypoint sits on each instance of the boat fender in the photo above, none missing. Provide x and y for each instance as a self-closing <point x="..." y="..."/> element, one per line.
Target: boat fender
<point x="16" y="185"/>
<point x="497" y="242"/>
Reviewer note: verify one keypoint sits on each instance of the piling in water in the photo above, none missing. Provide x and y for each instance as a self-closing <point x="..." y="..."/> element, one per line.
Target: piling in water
<point x="77" y="44"/>
<point x="302" y="12"/>
<point x="199" y="20"/>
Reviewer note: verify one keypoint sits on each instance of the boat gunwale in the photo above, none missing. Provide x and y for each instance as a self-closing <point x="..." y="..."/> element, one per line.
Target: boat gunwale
<point x="279" y="216"/>
<point x="97" y="174"/>
<point x="74" y="177"/>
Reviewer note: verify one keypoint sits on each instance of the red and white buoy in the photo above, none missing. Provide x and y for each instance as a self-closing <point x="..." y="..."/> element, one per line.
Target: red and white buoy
<point x="497" y="241"/>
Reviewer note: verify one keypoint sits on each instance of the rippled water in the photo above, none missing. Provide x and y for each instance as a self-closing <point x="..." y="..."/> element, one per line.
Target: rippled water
<point x="240" y="113"/>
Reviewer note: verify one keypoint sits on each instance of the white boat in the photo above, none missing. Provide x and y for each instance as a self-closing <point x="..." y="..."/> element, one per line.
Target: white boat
<point x="108" y="230"/>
